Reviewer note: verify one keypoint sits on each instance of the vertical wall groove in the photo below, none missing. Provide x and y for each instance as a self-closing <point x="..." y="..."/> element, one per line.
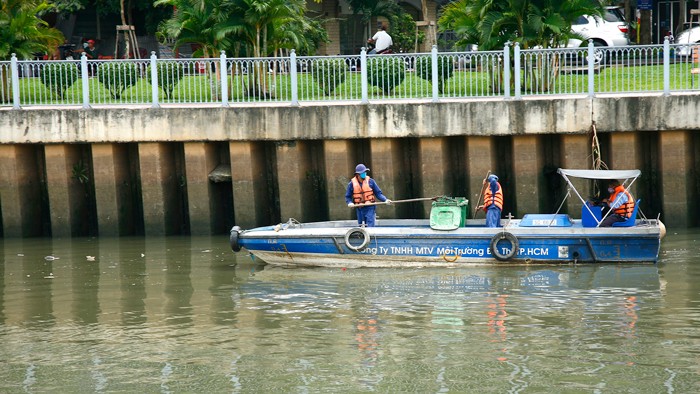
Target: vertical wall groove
<point x="221" y="204"/>
<point x="650" y="183"/>
<point x="131" y="209"/>
<point x="315" y="191"/>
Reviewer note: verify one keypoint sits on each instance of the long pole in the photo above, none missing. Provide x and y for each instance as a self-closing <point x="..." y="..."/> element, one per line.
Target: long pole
<point x="369" y="204"/>
<point x="481" y="194"/>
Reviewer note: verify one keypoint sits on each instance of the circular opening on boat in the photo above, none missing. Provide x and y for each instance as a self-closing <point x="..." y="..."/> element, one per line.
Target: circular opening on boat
<point x="576" y="255"/>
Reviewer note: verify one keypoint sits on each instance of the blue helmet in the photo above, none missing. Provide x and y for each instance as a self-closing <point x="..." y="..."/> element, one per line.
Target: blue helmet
<point x="492" y="178"/>
<point x="360" y="169"/>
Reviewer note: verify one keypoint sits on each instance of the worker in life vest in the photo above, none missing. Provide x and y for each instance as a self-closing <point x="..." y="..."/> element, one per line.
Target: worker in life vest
<point x="363" y="190"/>
<point x="620" y="202"/>
<point x="493" y="201"/>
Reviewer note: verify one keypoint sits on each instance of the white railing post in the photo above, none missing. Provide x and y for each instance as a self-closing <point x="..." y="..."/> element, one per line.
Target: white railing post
<point x="506" y="71"/>
<point x="363" y="75"/>
<point x="154" y="81"/>
<point x="591" y="68"/>
<point x="223" y="73"/>
<point x="516" y="72"/>
<point x="84" y="78"/>
<point x="14" y="70"/>
<point x="667" y="67"/>
<point x="435" y="79"/>
<point x="293" y="77"/>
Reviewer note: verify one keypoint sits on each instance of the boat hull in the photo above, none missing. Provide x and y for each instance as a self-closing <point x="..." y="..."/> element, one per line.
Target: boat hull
<point x="412" y="243"/>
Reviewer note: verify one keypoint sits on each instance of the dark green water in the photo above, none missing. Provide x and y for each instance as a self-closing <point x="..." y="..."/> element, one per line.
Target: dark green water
<point x="185" y="315"/>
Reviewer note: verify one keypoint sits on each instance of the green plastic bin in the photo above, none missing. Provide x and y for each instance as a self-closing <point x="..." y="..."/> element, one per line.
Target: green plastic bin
<point x="448" y="213"/>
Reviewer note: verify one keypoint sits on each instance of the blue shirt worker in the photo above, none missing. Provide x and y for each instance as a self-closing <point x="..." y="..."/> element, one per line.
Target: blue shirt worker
<point x="493" y="201"/>
<point x="621" y="203"/>
<point x="363" y="190"/>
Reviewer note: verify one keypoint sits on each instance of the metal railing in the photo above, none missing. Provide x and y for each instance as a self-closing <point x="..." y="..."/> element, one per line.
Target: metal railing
<point x="511" y="73"/>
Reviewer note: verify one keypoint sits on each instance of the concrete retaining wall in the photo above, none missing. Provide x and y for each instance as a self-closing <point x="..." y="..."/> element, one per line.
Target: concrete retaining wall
<point x="136" y="171"/>
<point x="381" y="120"/>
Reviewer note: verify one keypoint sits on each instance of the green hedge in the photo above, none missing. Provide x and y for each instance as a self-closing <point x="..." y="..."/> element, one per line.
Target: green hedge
<point x="58" y="77"/>
<point x="329" y="73"/>
<point x="385" y="72"/>
<point x="169" y="75"/>
<point x="424" y="69"/>
<point x="118" y="76"/>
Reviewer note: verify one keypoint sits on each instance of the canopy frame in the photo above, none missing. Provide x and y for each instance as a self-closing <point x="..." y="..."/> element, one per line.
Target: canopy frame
<point x="625" y="175"/>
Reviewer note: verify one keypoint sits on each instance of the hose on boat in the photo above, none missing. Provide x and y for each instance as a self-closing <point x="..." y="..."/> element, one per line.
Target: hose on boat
<point x="233" y="239"/>
<point x="504" y="236"/>
<point x="353" y="233"/>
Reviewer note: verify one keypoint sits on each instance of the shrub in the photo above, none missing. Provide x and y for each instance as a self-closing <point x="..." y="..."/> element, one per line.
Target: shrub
<point x="403" y="32"/>
<point x="424" y="69"/>
<point x="169" y="75"/>
<point x="118" y="76"/>
<point x="58" y="77"/>
<point x="385" y="72"/>
<point x="329" y="73"/>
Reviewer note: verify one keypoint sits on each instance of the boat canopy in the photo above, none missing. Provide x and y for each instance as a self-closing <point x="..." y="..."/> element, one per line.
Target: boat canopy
<point x="623" y="175"/>
<point x="600" y="174"/>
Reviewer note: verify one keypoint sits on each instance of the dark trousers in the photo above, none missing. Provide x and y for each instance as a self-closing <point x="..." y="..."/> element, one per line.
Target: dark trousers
<point x="613" y="218"/>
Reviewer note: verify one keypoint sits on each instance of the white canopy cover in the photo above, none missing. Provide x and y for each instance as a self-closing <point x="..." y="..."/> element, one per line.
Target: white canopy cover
<point x="600" y="174"/>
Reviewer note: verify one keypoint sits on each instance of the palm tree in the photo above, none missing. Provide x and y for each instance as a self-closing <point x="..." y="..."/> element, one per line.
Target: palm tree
<point x="369" y="9"/>
<point x="234" y="24"/>
<point x="206" y="24"/>
<point x="260" y="19"/>
<point x="531" y="23"/>
<point x="304" y="35"/>
<point x="23" y="33"/>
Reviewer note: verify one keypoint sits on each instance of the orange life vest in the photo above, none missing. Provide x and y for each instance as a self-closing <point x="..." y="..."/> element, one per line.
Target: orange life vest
<point x="624" y="210"/>
<point x="361" y="193"/>
<point x="490" y="198"/>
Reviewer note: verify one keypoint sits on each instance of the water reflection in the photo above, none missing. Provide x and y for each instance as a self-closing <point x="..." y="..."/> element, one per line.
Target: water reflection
<point x="85" y="278"/>
<point x="128" y="259"/>
<point x="498" y="311"/>
<point x="182" y="314"/>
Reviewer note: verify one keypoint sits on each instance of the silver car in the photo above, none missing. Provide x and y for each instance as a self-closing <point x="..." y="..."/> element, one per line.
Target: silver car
<point x="608" y="31"/>
<point x="690" y="37"/>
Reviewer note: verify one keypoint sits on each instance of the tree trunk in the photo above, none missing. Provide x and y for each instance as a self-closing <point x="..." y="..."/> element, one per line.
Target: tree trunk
<point x="630" y="17"/>
<point x="121" y="9"/>
<point x="129" y="17"/>
<point x="258" y="81"/>
<point x="495" y="75"/>
<point x="215" y="80"/>
<point x="4" y="86"/>
<point x="257" y="86"/>
<point x="645" y="27"/>
<point x="263" y="52"/>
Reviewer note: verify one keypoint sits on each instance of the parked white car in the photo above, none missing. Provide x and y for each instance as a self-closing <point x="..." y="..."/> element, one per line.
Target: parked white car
<point x="608" y="31"/>
<point x="689" y="37"/>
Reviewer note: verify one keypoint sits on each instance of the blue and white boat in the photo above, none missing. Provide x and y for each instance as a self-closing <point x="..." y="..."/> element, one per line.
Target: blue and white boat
<point x="448" y="239"/>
